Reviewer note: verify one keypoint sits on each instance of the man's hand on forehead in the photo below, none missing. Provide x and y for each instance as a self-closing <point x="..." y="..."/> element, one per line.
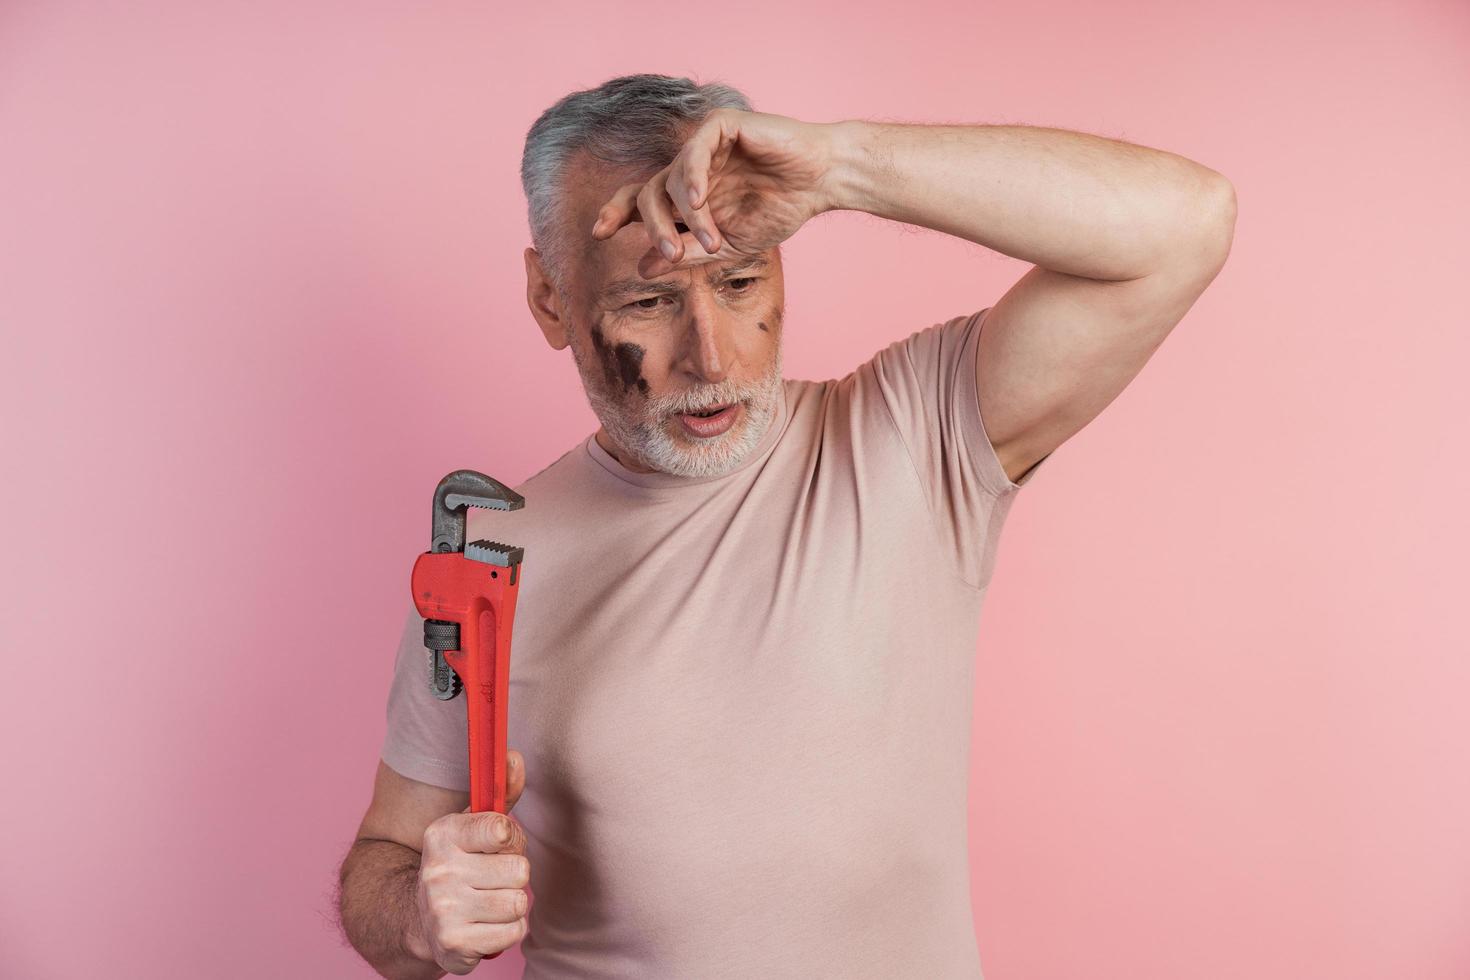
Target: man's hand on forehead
<point x="742" y="184"/>
<point x="652" y="263"/>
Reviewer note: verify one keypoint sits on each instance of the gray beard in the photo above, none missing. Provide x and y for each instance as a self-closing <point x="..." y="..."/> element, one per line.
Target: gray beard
<point x="642" y="437"/>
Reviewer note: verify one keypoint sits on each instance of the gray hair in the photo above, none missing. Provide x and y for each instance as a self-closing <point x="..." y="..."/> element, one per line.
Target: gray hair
<point x="629" y="121"/>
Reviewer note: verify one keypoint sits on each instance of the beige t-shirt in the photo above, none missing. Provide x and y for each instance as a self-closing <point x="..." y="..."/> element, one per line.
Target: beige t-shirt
<point x="745" y="701"/>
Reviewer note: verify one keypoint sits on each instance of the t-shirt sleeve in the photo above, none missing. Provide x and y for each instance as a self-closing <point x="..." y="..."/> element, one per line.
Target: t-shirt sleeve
<point x="426" y="739"/>
<point x="927" y="382"/>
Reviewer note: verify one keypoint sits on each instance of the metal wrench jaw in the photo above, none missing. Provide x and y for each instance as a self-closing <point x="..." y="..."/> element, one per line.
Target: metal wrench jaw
<point x="453" y="497"/>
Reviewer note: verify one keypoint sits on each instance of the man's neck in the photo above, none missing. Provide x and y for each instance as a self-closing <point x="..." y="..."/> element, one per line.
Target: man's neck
<point x="605" y="441"/>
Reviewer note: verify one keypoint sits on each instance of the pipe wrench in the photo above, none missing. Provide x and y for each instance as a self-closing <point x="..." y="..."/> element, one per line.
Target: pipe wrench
<point x="466" y="593"/>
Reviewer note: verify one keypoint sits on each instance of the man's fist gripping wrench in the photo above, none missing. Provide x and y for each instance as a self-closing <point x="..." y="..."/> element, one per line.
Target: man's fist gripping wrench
<point x="473" y="871"/>
<point x="472" y="899"/>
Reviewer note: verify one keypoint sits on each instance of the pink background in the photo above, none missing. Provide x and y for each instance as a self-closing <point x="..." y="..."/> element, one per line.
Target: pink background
<point x="262" y="287"/>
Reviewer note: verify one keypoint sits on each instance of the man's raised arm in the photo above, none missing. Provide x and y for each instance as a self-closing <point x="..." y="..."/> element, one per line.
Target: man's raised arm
<point x="1124" y="239"/>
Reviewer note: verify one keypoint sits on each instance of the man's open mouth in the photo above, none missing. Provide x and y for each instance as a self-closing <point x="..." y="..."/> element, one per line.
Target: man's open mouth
<point x="708" y="423"/>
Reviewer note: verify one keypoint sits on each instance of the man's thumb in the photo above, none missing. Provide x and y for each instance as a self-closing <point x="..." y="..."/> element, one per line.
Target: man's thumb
<point x="492" y="833"/>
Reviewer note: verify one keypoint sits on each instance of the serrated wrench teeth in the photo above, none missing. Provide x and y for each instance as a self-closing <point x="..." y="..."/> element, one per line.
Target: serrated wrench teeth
<point x="454" y="501"/>
<point x="495" y="553"/>
<point x="455" y="495"/>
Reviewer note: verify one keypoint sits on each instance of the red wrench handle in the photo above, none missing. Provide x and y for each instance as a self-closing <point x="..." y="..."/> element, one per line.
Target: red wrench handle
<point x="481" y="598"/>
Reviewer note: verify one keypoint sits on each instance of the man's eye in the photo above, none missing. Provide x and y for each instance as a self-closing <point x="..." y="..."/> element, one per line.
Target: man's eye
<point x="650" y="303"/>
<point x="637" y="304"/>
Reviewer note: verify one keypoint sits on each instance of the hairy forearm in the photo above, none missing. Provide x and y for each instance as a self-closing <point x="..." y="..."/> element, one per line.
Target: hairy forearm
<point x="1071" y="202"/>
<point x="379" y="911"/>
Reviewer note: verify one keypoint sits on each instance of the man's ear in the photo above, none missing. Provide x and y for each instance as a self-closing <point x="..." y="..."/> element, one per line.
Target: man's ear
<point x="546" y="305"/>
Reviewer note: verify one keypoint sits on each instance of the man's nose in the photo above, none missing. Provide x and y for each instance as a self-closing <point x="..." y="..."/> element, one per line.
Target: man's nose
<point x="709" y="354"/>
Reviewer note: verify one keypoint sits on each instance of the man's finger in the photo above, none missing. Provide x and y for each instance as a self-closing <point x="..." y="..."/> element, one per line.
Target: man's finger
<point x="708" y="150"/>
<point x="685" y="173"/>
<point x="620" y="209"/>
<point x="658" y="217"/>
<point x="495" y="871"/>
<point x="515" y="777"/>
<point x="654" y="264"/>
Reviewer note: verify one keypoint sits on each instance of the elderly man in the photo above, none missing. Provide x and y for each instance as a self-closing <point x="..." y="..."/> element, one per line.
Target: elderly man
<point x="742" y="682"/>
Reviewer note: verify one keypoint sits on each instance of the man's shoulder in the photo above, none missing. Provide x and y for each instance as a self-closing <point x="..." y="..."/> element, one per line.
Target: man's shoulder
<point x="553" y="494"/>
<point x="563" y="472"/>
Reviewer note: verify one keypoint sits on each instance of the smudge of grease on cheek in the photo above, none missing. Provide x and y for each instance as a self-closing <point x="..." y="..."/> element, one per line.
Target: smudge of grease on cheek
<point x="630" y="364"/>
<point x="623" y="363"/>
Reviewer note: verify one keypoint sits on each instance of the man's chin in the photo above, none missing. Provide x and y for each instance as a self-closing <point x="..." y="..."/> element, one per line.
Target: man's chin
<point x="701" y="456"/>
